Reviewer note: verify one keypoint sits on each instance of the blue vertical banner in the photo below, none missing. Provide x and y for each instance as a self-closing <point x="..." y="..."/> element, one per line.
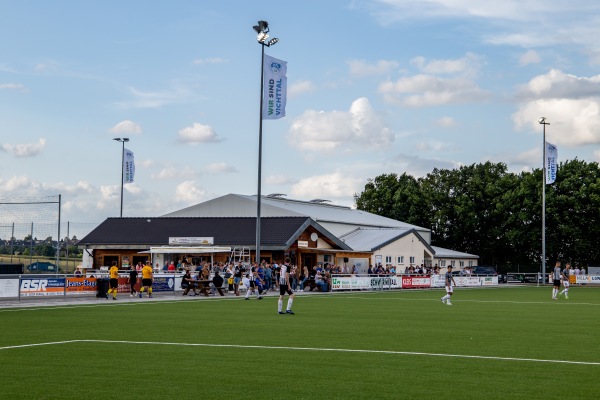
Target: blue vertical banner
<point x="275" y="88"/>
<point x="128" y="167"/>
<point x="551" y="163"/>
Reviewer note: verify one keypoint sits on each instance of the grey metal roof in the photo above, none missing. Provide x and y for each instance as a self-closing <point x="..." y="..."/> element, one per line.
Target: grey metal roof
<point x="440" y="252"/>
<point x="371" y="239"/>
<point x="276" y="233"/>
<point x="236" y="205"/>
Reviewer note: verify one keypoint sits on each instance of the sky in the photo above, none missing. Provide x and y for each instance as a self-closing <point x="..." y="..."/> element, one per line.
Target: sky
<point x="374" y="87"/>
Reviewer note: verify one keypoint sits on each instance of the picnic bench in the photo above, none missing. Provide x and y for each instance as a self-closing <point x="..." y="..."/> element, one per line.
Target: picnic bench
<point x="204" y="286"/>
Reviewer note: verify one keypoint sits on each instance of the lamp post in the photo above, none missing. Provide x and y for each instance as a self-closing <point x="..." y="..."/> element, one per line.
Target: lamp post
<point x="262" y="30"/>
<point x="543" y="122"/>
<point x="122" y="140"/>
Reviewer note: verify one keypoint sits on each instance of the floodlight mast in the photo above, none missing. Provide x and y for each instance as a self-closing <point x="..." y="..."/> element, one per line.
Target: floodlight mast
<point x="543" y="122"/>
<point x="262" y="30"/>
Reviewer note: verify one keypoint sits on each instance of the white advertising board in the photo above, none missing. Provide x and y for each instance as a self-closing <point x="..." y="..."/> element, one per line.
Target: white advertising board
<point x="9" y="287"/>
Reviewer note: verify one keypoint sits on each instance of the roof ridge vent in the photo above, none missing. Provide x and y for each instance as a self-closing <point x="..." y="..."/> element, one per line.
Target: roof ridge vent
<point x="276" y="195"/>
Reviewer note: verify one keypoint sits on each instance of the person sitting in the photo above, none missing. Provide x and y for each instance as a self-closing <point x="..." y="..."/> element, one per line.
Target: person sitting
<point x="320" y="281"/>
<point x="187" y="283"/>
<point x="171" y="267"/>
<point x="217" y="283"/>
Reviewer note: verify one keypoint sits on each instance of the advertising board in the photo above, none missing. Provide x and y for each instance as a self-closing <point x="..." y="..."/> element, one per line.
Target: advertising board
<point x="81" y="286"/>
<point x="42" y="287"/>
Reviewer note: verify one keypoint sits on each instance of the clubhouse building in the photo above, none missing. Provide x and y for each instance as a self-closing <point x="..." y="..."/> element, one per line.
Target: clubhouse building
<point x="310" y="232"/>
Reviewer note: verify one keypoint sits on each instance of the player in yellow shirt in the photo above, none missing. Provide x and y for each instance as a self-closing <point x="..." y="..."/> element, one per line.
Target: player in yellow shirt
<point x="146" y="279"/>
<point x="114" y="280"/>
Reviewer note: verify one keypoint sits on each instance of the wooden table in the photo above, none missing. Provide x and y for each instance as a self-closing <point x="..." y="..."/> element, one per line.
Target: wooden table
<point x="204" y="287"/>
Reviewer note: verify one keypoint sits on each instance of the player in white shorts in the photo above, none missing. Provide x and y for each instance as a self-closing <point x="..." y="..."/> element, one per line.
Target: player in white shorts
<point x="565" y="280"/>
<point x="450" y="283"/>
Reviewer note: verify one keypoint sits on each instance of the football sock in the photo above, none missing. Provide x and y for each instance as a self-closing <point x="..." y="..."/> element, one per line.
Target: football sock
<point x="279" y="305"/>
<point x="150" y="290"/>
<point x="142" y="289"/>
<point x="289" y="305"/>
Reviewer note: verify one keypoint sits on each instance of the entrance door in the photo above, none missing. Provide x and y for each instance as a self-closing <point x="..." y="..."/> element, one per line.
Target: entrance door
<point x="308" y="259"/>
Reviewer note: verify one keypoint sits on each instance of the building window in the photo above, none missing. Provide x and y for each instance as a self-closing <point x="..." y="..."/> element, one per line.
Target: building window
<point x="442" y="263"/>
<point x="470" y="263"/>
<point x="400" y="259"/>
<point x="452" y="263"/>
<point x="412" y="260"/>
<point x="461" y="263"/>
<point x="388" y="259"/>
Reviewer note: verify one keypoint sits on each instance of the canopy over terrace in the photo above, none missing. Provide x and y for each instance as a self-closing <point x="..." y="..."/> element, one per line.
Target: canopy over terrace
<point x="188" y="250"/>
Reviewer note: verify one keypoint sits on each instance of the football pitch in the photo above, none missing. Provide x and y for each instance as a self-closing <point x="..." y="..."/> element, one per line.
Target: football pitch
<point x="492" y="343"/>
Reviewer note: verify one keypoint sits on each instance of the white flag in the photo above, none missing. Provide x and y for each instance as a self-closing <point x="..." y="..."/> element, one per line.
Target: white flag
<point x="274" y="88"/>
<point x="551" y="163"/>
<point x="128" y="167"/>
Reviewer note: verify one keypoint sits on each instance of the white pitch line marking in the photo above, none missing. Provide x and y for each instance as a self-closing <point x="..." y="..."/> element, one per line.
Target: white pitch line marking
<point x="363" y="351"/>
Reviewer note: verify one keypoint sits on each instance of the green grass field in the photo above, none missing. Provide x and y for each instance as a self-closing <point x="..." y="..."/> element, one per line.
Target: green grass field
<point x="493" y="343"/>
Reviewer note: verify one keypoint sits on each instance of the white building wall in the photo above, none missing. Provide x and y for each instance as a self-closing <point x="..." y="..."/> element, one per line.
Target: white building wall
<point x="407" y="247"/>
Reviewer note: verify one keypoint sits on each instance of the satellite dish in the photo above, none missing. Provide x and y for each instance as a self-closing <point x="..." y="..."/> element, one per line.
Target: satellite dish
<point x="314" y="237"/>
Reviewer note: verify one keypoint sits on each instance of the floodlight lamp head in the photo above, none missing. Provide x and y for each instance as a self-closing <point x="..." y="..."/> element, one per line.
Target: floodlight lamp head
<point x="125" y="139"/>
<point x="272" y="42"/>
<point x="542" y="120"/>
<point x="261" y="37"/>
<point x="264" y="26"/>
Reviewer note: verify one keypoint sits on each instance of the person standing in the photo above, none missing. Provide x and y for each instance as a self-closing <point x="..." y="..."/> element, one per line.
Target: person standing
<point x="146" y="280"/>
<point x="285" y="287"/>
<point x="253" y="283"/>
<point x="114" y="280"/>
<point x="238" y="272"/>
<point x="556" y="276"/>
<point x="565" y="281"/>
<point x="268" y="278"/>
<point x="133" y="275"/>
<point x="449" y="283"/>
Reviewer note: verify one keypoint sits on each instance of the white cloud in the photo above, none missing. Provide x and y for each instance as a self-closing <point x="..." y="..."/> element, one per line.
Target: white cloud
<point x="189" y="192"/>
<point x="12" y="86"/>
<point x="557" y="84"/>
<point x="529" y="57"/>
<point x="417" y="166"/>
<point x="526" y="158"/>
<point x="527" y="24"/>
<point x="217" y="168"/>
<point x="435" y="146"/>
<point x="333" y="185"/>
<point x="571" y="104"/>
<point x="446" y="122"/>
<point x="210" y="60"/>
<point x="573" y="122"/>
<point x="25" y="149"/>
<point x="361" y="68"/>
<point x="155" y="99"/>
<point x="198" y="133"/>
<point x="174" y="172"/>
<point x="428" y="90"/>
<point x="301" y="87"/>
<point x="280" y="180"/>
<point x="467" y="65"/>
<point x="324" y="131"/>
<point x="126" y="127"/>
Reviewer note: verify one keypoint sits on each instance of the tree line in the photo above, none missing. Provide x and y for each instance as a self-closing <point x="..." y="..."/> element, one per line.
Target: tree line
<point x="485" y="210"/>
<point x="34" y="247"/>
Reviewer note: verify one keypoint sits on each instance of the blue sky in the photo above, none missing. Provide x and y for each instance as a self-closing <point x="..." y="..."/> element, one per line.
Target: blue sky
<point x="375" y="86"/>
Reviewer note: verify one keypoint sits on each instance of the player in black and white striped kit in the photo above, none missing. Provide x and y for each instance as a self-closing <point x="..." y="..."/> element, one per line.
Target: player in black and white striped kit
<point x="285" y="287"/>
